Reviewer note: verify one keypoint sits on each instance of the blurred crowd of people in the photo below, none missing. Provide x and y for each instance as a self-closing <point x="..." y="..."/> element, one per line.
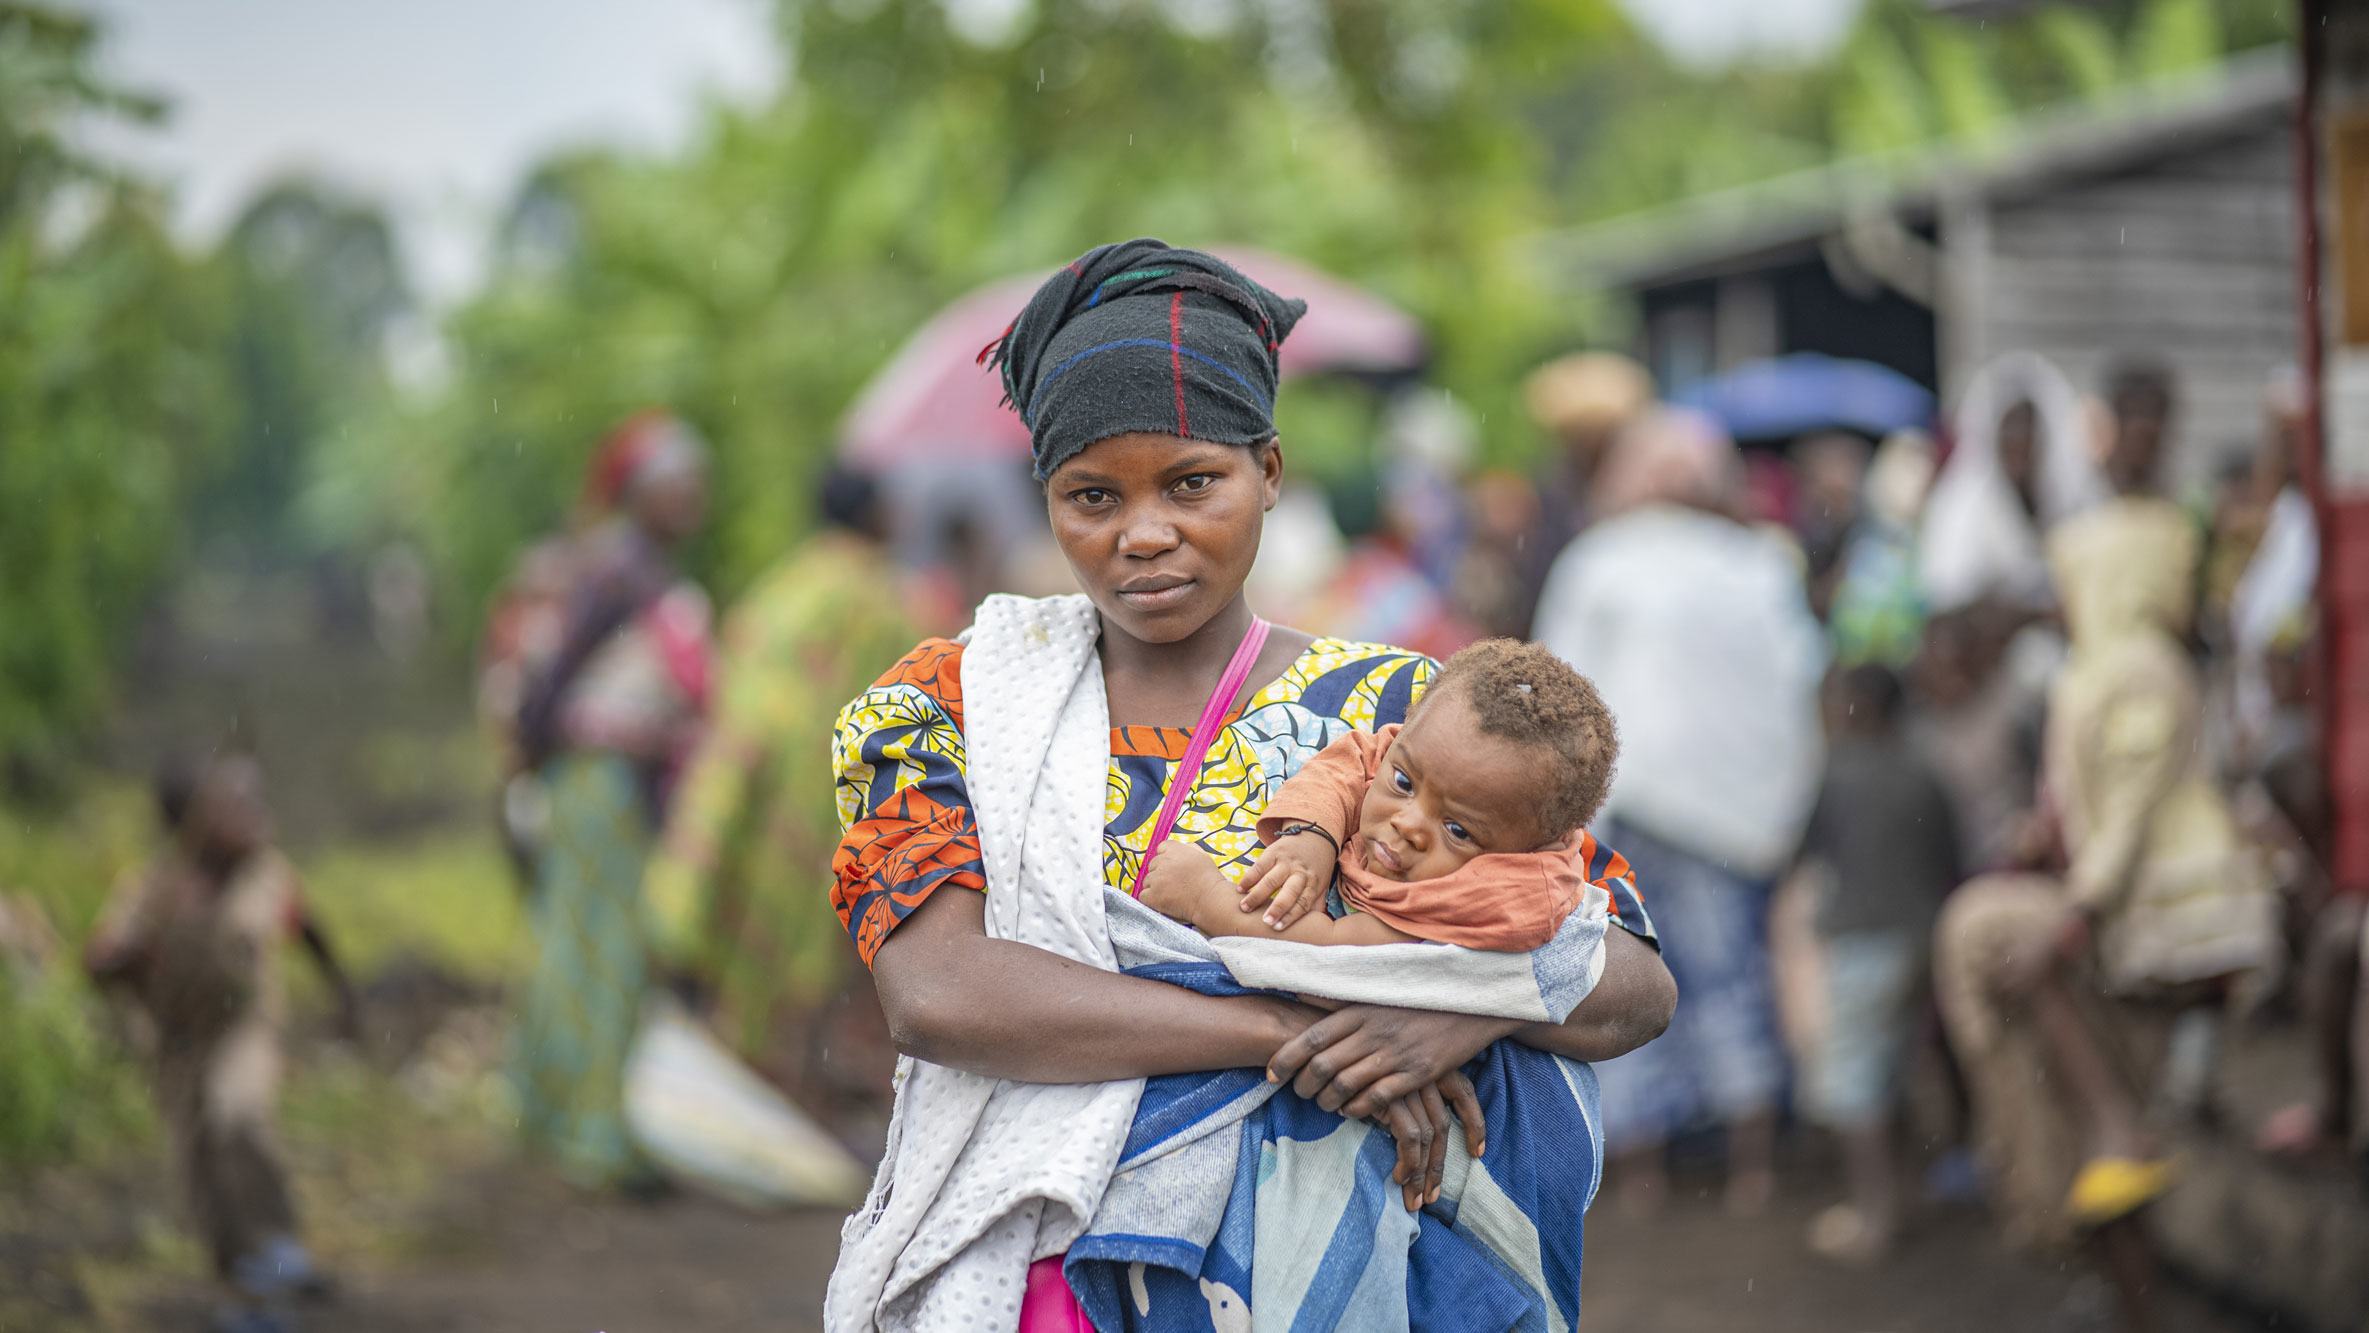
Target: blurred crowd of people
<point x="1976" y="757"/>
<point x="1987" y="754"/>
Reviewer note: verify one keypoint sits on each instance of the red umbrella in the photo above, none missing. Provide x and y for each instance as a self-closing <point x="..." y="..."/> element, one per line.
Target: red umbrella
<point x="933" y="401"/>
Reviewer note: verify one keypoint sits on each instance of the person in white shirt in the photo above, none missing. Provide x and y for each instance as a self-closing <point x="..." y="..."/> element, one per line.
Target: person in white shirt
<point x="1696" y="629"/>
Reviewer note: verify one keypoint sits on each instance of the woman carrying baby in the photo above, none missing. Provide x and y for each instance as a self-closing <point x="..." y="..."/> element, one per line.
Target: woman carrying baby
<point x="993" y="789"/>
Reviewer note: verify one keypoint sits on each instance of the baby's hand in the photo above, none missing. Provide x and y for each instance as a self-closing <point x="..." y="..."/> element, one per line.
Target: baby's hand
<point x="1183" y="882"/>
<point x="1290" y="878"/>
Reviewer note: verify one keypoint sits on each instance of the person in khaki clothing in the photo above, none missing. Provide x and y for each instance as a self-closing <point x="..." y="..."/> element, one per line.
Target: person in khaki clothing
<point x="194" y="939"/>
<point x="2068" y="985"/>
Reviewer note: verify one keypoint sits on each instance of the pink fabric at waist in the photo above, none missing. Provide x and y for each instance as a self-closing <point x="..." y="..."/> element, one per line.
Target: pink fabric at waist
<point x="1047" y="1306"/>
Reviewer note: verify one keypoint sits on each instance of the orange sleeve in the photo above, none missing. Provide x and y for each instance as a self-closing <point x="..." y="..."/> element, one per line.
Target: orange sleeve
<point x="904" y="803"/>
<point x="1329" y="789"/>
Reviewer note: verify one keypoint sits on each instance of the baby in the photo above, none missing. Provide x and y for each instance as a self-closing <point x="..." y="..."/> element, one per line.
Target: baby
<point x="1457" y="827"/>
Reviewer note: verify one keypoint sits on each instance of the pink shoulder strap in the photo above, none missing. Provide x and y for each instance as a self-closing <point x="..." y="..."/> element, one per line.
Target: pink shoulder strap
<point x="1213" y="716"/>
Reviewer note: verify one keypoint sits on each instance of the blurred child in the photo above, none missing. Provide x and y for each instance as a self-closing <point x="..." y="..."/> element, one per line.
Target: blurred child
<point x="194" y="938"/>
<point x="1884" y="829"/>
<point x="1978" y="721"/>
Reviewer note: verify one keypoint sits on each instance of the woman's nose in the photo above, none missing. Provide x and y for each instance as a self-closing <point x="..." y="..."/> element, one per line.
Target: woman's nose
<point x="1148" y="536"/>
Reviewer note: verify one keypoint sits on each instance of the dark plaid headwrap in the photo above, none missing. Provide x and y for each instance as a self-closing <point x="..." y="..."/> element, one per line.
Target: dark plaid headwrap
<point x="1138" y="337"/>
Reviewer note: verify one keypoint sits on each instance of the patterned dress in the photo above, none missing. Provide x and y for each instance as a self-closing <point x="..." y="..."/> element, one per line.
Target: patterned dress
<point x="735" y="891"/>
<point x="617" y="720"/>
<point x="899" y="756"/>
<point x="898" y="753"/>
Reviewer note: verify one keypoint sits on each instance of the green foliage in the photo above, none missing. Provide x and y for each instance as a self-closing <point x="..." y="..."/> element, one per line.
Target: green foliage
<point x="148" y="397"/>
<point x="2079" y="43"/>
<point x="106" y="397"/>
<point x="67" y="1090"/>
<point x="2174" y="37"/>
<point x="1882" y="105"/>
<point x="65" y="861"/>
<point x="447" y="898"/>
<point x="311" y="282"/>
<point x="754" y="282"/>
<point x="1962" y="68"/>
<point x="151" y="400"/>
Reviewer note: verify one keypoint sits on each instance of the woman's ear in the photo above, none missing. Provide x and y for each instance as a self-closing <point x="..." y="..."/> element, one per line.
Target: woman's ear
<point x="1271" y="470"/>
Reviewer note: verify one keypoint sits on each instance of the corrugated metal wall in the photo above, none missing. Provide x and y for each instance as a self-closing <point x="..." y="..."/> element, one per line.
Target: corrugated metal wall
<point x="2189" y="259"/>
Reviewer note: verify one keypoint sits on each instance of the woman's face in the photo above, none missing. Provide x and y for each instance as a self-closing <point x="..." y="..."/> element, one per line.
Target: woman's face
<point x="671" y="506"/>
<point x="1161" y="531"/>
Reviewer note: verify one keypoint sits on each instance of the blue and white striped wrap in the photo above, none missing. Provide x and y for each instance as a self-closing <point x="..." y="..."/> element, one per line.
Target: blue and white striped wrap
<point x="1185" y="1178"/>
<point x="1223" y="1166"/>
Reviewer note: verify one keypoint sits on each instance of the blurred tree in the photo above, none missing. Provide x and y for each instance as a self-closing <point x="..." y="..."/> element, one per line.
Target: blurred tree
<point x="756" y="280"/>
<point x="2081" y="45"/>
<point x="753" y="280"/>
<point x="2174" y="37"/>
<point x="311" y="283"/>
<point x="108" y="391"/>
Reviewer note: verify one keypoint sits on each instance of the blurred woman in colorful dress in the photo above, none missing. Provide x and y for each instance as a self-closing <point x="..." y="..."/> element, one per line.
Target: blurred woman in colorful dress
<point x="737" y="889"/>
<point x="608" y="722"/>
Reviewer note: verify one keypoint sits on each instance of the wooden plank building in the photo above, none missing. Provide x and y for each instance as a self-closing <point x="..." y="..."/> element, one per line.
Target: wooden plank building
<point x="2161" y="224"/>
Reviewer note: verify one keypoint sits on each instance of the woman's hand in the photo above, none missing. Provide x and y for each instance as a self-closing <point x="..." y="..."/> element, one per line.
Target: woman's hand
<point x="1419" y="1122"/>
<point x="1363" y="1057"/>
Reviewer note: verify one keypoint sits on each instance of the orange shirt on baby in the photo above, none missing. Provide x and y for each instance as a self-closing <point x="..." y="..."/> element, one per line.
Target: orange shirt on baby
<point x="1509" y="902"/>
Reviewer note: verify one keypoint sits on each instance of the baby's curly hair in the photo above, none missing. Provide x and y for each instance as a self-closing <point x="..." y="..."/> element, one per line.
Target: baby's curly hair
<point x="1522" y="692"/>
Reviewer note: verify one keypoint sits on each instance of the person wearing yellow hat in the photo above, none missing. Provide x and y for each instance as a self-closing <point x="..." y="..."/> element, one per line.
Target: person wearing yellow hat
<point x="1580" y="402"/>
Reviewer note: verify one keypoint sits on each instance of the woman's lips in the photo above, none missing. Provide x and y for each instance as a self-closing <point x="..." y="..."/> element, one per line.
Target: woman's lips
<point x="1158" y="599"/>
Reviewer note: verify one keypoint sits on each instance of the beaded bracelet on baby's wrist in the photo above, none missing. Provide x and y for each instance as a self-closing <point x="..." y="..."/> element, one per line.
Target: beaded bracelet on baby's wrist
<point x="1289" y="830"/>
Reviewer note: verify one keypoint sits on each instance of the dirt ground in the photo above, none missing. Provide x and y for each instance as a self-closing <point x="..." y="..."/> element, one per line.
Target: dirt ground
<point x="412" y="1195"/>
<point x="508" y="1251"/>
<point x="521" y="1254"/>
<point x="1694" y="1269"/>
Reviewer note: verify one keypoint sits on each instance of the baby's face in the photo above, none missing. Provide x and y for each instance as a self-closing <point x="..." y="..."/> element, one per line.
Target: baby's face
<point x="1447" y="792"/>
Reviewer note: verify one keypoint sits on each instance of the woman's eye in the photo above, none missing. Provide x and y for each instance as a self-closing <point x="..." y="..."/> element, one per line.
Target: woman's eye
<point x="1091" y="495"/>
<point x="1199" y="481"/>
<point x="1400" y="782"/>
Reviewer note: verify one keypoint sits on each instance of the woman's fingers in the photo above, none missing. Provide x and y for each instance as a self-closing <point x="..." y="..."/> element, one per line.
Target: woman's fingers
<point x="1406" y="1123"/>
<point x="1358" y="1068"/>
<point x="1389" y="1083"/>
<point x="1466" y="1103"/>
<point x="1291" y="1060"/>
<point x="1435" y="1163"/>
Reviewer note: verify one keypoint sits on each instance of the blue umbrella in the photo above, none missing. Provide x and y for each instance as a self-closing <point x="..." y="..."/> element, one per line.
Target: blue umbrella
<point x="1807" y="391"/>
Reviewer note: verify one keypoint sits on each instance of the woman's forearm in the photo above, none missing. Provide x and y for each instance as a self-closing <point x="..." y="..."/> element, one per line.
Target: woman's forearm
<point x="956" y="997"/>
<point x="1630" y="1006"/>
